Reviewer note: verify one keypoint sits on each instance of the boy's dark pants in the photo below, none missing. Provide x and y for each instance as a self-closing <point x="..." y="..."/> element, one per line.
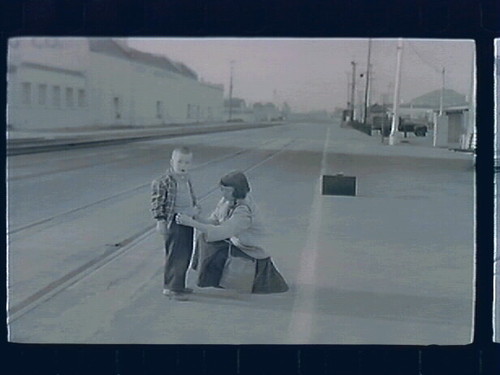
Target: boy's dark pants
<point x="178" y="251"/>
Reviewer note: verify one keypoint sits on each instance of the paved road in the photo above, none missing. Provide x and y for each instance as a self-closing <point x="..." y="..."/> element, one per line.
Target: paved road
<point x="393" y="265"/>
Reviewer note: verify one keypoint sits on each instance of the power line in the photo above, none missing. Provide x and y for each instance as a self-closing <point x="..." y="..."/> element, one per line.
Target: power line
<point x="425" y="61"/>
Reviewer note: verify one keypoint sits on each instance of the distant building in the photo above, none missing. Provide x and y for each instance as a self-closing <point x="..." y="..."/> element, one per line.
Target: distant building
<point x="432" y="100"/>
<point x="64" y="83"/>
<point x="266" y="112"/>
<point x="237" y="110"/>
<point x="455" y="128"/>
<point x="424" y="106"/>
<point x="378" y="117"/>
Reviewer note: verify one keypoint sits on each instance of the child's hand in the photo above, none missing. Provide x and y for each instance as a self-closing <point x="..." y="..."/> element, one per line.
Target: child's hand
<point x="183" y="219"/>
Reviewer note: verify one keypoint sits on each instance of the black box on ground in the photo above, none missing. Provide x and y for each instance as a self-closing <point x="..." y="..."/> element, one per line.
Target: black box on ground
<point x="338" y="185"/>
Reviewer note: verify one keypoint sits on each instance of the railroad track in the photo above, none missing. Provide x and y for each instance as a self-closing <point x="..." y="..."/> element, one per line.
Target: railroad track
<point x="116" y="250"/>
<point x="67" y="214"/>
<point x="38" y="145"/>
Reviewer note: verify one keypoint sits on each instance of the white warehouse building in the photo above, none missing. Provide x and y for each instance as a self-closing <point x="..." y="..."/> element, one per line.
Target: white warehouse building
<point x="74" y="83"/>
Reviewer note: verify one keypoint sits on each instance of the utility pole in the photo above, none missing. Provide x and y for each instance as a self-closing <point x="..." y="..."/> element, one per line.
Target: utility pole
<point x="348" y="92"/>
<point x="231" y="92"/>
<point x="395" y="102"/>
<point x="367" y="85"/>
<point x="370" y="87"/>
<point x="441" y="97"/>
<point x="353" y="87"/>
<point x="471" y="125"/>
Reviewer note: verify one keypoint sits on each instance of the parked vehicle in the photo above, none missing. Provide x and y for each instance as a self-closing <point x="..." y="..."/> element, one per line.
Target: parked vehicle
<point x="417" y="127"/>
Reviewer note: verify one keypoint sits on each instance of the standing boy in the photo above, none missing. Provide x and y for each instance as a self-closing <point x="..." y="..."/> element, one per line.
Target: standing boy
<point x="173" y="194"/>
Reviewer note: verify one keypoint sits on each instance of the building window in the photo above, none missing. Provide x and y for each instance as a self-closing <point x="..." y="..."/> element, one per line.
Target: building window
<point x="69" y="97"/>
<point x="26" y="93"/>
<point x="42" y="94"/>
<point x="188" y="111"/>
<point x="56" y="96"/>
<point x="82" y="100"/>
<point x="159" y="109"/>
<point x="117" y="107"/>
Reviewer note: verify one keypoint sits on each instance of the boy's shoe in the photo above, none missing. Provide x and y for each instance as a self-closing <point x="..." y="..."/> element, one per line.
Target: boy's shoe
<point x="184" y="291"/>
<point x="178" y="296"/>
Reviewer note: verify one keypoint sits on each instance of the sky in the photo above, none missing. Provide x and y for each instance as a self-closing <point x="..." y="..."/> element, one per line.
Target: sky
<point x="315" y="74"/>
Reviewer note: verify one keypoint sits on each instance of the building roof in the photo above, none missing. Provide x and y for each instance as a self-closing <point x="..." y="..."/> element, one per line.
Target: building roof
<point x="118" y="48"/>
<point x="456" y="109"/>
<point x="52" y="69"/>
<point x="431" y="100"/>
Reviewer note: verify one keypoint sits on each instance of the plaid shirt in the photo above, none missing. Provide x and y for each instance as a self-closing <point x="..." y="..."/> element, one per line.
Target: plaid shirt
<point x="164" y="191"/>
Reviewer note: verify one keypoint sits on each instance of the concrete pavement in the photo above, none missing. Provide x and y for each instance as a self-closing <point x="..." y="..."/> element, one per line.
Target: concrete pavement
<point x="383" y="263"/>
<point x="393" y="265"/>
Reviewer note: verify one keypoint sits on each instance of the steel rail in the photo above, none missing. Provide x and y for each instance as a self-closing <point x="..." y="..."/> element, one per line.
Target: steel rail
<point x="16" y="147"/>
<point x="121" y="248"/>
<point x="123" y="193"/>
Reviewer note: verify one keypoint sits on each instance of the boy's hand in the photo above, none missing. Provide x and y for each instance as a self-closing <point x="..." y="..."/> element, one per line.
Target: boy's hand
<point x="183" y="219"/>
<point x="161" y="227"/>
